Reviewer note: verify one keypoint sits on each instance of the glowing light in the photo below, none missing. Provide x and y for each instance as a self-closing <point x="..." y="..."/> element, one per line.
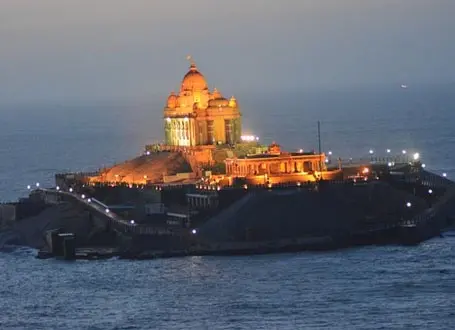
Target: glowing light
<point x="416" y="156"/>
<point x="249" y="138"/>
<point x="403" y="152"/>
<point x="423" y="165"/>
<point x="168" y="119"/>
<point x="298" y="184"/>
<point x="57" y="188"/>
<point x="218" y="188"/>
<point x="366" y="170"/>
<point x="194" y="231"/>
<point x="408" y="204"/>
<point x="326" y="160"/>
<point x="301" y="151"/>
<point x="89" y="200"/>
<point x="269" y="185"/>
<point x="71" y="190"/>
<point x="245" y="186"/>
<point x="330" y="153"/>
<point x="444" y="175"/>
<point x="107" y="211"/>
<point x="185" y="119"/>
<point x="28" y="187"/>
<point x="371" y="151"/>
<point x="132" y="222"/>
<point x="390" y="164"/>
<point x="83" y="196"/>
<point x="430" y="191"/>
<point x="388" y="151"/>
<point x="148" y="153"/>
<point x="37" y="184"/>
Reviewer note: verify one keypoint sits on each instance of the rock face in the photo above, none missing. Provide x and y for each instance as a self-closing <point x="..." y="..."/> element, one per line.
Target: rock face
<point x="146" y="168"/>
<point x="281" y="214"/>
<point x="30" y="231"/>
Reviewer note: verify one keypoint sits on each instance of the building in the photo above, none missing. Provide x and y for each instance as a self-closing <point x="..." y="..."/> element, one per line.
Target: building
<point x="197" y="116"/>
<point x="278" y="166"/>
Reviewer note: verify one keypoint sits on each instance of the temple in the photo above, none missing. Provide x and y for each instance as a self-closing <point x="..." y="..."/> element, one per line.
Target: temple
<point x="198" y="116"/>
<point x="277" y="166"/>
<point x="203" y="141"/>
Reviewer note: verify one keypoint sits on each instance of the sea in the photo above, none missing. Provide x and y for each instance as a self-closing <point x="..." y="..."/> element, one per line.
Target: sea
<point x="378" y="287"/>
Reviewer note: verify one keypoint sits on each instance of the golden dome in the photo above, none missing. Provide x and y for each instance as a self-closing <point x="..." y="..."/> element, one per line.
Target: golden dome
<point x="172" y="100"/>
<point x="193" y="80"/>
<point x="216" y="94"/>
<point x="221" y="102"/>
<point x="233" y="102"/>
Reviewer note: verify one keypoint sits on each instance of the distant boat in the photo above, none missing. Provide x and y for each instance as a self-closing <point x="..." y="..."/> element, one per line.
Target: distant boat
<point x="404" y="86"/>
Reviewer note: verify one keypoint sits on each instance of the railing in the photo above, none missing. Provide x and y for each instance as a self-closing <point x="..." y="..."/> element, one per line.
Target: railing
<point x="395" y="160"/>
<point x="113" y="219"/>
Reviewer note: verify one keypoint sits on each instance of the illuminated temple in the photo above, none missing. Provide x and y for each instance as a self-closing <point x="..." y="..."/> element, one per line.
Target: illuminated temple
<point x="197" y="116"/>
<point x="203" y="139"/>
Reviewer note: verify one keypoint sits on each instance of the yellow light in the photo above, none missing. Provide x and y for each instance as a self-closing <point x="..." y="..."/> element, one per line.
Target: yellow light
<point x="269" y="185"/>
<point x="366" y="170"/>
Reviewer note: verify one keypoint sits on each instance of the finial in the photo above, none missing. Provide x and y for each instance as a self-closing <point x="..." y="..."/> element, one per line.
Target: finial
<point x="192" y="63"/>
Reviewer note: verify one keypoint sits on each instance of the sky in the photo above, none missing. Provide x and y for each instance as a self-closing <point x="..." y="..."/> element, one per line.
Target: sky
<point x="107" y="50"/>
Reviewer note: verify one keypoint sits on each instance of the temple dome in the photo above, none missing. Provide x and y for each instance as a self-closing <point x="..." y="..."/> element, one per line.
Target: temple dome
<point x="172" y="100"/>
<point x="221" y="102"/>
<point x="193" y="80"/>
<point x="216" y="94"/>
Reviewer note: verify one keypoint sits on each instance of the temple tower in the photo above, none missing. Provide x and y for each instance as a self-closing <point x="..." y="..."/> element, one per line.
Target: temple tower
<point x="197" y="116"/>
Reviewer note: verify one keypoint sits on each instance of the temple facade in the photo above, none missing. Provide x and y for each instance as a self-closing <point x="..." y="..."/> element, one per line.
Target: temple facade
<point x="277" y="166"/>
<point x="197" y="116"/>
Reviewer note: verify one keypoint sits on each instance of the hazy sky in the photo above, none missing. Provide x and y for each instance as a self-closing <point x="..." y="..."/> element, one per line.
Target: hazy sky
<point x="87" y="50"/>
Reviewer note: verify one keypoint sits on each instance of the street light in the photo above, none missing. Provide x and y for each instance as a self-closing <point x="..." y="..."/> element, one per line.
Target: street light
<point x="430" y="191"/>
<point x="194" y="231"/>
<point x="423" y="165"/>
<point x="408" y="204"/>
<point x="71" y="190"/>
<point x="132" y="222"/>
<point x="388" y="151"/>
<point x="403" y="152"/>
<point x="28" y="187"/>
<point x="371" y="151"/>
<point x="57" y="188"/>
<point x="83" y="196"/>
<point x="416" y="156"/>
<point x="330" y="153"/>
<point x="37" y="184"/>
<point x="444" y="175"/>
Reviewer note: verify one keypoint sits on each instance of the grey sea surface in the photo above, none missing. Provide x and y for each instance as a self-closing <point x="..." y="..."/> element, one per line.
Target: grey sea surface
<point x="362" y="288"/>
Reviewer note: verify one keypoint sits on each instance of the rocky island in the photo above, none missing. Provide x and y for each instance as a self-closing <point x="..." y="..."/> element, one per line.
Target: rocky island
<point x="210" y="190"/>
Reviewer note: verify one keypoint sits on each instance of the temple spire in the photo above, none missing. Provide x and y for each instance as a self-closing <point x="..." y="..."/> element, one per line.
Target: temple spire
<point x="192" y="63"/>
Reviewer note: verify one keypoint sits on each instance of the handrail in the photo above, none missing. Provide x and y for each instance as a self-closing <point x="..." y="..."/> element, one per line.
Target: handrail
<point x="113" y="219"/>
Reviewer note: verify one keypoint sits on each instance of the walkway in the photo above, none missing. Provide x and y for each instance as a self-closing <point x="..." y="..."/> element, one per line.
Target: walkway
<point x="102" y="211"/>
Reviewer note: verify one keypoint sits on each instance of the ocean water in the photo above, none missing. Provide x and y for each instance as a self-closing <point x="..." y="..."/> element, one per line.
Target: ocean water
<point x="362" y="288"/>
